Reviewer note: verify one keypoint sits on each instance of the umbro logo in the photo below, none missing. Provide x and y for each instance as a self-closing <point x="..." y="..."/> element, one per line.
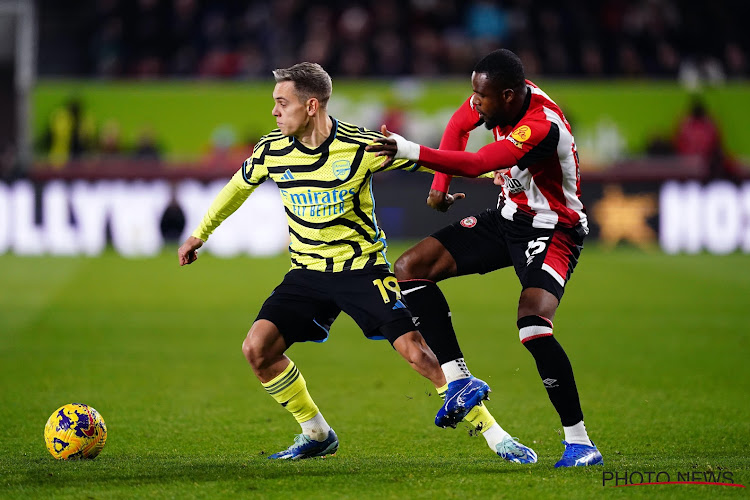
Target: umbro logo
<point x="287" y="175"/>
<point x="549" y="383"/>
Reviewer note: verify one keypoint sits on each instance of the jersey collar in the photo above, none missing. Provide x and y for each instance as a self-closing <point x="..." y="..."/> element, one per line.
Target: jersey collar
<point x="324" y="145"/>
<point x="524" y="108"/>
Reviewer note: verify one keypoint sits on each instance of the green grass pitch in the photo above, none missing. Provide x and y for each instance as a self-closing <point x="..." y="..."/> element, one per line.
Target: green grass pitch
<point x="659" y="346"/>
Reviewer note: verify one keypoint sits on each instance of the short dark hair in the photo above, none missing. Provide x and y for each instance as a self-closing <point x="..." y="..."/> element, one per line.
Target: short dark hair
<point x="503" y="67"/>
<point x="310" y="80"/>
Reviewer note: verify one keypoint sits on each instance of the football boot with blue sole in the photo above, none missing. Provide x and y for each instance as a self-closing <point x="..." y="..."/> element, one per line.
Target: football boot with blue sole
<point x="580" y="455"/>
<point x="513" y="451"/>
<point x="306" y="447"/>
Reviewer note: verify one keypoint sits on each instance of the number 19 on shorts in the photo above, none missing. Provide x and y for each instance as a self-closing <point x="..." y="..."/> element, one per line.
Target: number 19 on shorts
<point x="387" y="284"/>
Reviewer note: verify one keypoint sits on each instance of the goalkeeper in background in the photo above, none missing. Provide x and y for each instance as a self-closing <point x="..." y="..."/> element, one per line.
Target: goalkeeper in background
<point x="338" y="262"/>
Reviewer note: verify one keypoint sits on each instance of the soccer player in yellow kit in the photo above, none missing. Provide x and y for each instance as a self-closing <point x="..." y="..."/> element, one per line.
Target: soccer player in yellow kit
<point x="337" y="253"/>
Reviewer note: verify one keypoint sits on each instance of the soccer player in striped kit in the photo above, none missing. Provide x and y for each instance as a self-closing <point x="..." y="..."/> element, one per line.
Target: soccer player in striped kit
<point x="538" y="226"/>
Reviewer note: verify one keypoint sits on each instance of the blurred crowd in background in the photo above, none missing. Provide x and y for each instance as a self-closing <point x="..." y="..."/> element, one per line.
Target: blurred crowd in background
<point x="238" y="39"/>
<point x="699" y="45"/>
<point x="72" y="132"/>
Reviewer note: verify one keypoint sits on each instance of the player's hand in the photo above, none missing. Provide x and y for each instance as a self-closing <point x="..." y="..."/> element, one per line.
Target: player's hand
<point x="441" y="201"/>
<point x="188" y="252"/>
<point x="499" y="178"/>
<point x="393" y="147"/>
<point x="384" y="147"/>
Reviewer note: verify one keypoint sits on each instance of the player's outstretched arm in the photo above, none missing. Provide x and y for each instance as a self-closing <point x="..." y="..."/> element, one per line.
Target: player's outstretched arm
<point x="188" y="252"/>
<point x="494" y="156"/>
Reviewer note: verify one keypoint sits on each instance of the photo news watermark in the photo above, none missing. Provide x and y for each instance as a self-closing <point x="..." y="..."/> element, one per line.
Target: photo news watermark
<point x="652" y="478"/>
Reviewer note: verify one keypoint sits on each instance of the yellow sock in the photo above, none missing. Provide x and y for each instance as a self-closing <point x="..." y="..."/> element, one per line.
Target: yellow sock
<point x="290" y="391"/>
<point x="480" y="418"/>
<point x="442" y="390"/>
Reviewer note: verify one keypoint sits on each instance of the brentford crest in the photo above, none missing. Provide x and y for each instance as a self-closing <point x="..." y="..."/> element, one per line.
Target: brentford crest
<point x="469" y="222"/>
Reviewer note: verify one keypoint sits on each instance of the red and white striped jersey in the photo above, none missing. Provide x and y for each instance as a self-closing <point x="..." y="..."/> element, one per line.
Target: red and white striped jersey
<point x="542" y="186"/>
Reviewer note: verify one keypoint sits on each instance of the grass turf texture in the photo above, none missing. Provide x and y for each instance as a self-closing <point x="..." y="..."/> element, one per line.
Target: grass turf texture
<point x="658" y="343"/>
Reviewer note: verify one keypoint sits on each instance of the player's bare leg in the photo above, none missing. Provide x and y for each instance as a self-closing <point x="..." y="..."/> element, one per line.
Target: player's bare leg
<point x="427" y="260"/>
<point x="264" y="349"/>
<point x="414" y="349"/>
<point x="418" y="270"/>
<point x="536" y="310"/>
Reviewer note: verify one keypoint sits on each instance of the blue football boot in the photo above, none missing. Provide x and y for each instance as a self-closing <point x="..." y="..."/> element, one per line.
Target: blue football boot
<point x="580" y="455"/>
<point x="513" y="451"/>
<point x="306" y="447"/>
<point x="462" y="395"/>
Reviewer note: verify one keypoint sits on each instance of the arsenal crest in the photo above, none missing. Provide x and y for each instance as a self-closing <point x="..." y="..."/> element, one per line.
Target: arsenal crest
<point x="341" y="169"/>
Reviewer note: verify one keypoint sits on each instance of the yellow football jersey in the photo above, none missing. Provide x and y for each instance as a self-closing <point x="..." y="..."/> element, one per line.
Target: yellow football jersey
<point x="327" y="196"/>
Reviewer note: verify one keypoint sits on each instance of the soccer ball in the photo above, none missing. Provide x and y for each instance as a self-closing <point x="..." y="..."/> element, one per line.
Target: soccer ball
<point x="75" y="431"/>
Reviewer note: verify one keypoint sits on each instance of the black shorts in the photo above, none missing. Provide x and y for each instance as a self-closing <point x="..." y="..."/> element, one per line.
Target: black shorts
<point x="305" y="304"/>
<point x="542" y="258"/>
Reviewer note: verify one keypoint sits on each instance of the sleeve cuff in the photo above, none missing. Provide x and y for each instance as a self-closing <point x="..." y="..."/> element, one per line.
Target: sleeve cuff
<point x="441" y="182"/>
<point x="199" y="235"/>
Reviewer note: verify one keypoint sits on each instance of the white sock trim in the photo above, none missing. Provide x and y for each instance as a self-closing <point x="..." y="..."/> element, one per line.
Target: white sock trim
<point x="534" y="331"/>
<point x="317" y="427"/>
<point x="455" y="370"/>
<point x="494" y="436"/>
<point x="576" y="434"/>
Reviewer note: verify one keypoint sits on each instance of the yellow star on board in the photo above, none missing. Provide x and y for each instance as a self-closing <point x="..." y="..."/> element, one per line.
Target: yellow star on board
<point x="624" y="217"/>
